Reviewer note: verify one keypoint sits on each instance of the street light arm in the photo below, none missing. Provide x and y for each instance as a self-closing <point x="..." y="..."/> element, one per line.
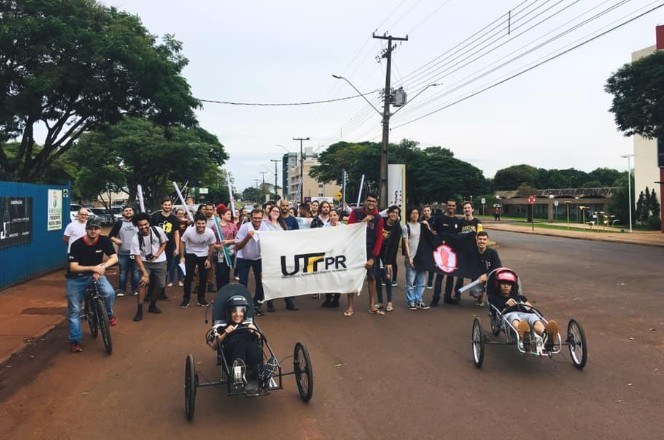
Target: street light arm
<point x="413" y="98"/>
<point x="360" y="93"/>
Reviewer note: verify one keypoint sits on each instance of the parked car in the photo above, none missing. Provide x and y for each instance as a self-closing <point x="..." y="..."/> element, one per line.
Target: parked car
<point x="105" y="217"/>
<point x="73" y="212"/>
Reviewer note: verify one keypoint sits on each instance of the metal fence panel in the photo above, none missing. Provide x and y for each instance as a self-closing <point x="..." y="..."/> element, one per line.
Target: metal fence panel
<point x="33" y="221"/>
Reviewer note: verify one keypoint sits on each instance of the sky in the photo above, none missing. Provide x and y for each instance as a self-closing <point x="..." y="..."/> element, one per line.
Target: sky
<point x="555" y="115"/>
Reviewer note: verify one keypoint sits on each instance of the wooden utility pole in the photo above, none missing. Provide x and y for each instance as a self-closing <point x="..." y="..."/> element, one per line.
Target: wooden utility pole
<point x="301" y="168"/>
<point x="387" y="54"/>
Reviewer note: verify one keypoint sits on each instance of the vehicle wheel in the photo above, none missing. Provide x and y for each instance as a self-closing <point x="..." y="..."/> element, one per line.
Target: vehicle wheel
<point x="304" y="377"/>
<point x="189" y="387"/>
<point x="89" y="313"/>
<point x="576" y="341"/>
<point x="495" y="325"/>
<point x="104" y="325"/>
<point x="478" y="340"/>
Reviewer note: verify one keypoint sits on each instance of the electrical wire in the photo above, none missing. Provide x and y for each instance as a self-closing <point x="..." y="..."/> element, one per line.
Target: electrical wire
<point x="285" y="104"/>
<point x="528" y="69"/>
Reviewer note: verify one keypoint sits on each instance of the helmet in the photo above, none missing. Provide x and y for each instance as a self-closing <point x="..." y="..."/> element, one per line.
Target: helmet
<point x="506" y="276"/>
<point x="233" y="302"/>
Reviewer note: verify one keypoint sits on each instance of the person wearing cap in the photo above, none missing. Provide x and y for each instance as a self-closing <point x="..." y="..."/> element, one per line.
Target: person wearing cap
<point x="86" y="264"/>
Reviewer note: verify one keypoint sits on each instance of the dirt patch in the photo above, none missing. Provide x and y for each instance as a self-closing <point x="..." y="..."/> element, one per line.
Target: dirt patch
<point x="22" y="367"/>
<point x="44" y="311"/>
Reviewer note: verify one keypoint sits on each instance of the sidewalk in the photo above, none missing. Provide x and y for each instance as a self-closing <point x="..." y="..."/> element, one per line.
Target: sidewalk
<point x="30" y="310"/>
<point x="596" y="233"/>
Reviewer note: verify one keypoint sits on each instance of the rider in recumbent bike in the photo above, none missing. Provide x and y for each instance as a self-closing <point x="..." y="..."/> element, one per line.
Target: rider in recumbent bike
<point x="514" y="315"/>
<point x="238" y="343"/>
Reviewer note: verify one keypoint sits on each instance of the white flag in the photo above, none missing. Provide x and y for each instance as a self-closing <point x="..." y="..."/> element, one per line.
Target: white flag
<point x="320" y="260"/>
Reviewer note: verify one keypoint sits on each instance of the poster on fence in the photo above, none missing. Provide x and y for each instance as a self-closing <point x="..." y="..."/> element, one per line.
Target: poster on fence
<point x="309" y="261"/>
<point x="54" y="222"/>
<point x="16" y="227"/>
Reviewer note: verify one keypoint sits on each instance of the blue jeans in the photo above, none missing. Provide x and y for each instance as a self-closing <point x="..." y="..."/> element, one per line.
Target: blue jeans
<point x="415" y="280"/>
<point x="243" y="267"/>
<point x="75" y="295"/>
<point x="128" y="264"/>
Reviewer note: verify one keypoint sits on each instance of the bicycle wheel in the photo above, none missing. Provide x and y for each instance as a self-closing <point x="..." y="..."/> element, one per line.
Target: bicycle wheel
<point x="576" y="340"/>
<point x="89" y="315"/>
<point x="189" y="387"/>
<point x="104" y="325"/>
<point x="304" y="376"/>
<point x="478" y="341"/>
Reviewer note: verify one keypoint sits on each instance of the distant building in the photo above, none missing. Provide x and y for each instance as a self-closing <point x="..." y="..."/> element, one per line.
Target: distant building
<point x="291" y="177"/>
<point x="649" y="153"/>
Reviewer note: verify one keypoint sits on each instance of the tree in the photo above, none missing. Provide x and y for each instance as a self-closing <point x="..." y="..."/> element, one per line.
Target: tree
<point x="511" y="177"/>
<point x="638" y="96"/>
<point x="252" y="194"/>
<point x="619" y="205"/>
<point x="138" y="151"/>
<point x="642" y="211"/>
<point x="72" y="65"/>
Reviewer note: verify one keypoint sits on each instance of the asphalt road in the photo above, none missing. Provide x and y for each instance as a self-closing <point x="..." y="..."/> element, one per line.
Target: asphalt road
<point x="405" y="375"/>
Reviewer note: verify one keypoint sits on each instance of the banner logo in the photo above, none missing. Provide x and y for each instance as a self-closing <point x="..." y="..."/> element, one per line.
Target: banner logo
<point x="313" y="263"/>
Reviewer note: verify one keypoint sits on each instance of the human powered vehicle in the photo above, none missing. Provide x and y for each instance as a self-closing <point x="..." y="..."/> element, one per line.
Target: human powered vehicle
<point x="533" y="344"/>
<point x="233" y="375"/>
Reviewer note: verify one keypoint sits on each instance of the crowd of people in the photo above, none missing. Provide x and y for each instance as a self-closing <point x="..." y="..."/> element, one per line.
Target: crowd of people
<point x="204" y="247"/>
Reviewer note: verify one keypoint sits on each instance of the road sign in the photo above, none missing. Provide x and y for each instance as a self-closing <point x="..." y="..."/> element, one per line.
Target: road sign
<point x="531" y="200"/>
<point x="483" y="200"/>
<point x="555" y="203"/>
<point x="202" y="190"/>
<point x="338" y="196"/>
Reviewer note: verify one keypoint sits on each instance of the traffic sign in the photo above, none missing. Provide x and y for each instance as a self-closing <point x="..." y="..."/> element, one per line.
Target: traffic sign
<point x="555" y="203"/>
<point x="531" y="200"/>
<point x="483" y="200"/>
<point x="338" y="196"/>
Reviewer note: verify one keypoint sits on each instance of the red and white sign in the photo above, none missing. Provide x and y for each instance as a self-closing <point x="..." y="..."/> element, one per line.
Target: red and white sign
<point x="445" y="258"/>
<point x="531" y="200"/>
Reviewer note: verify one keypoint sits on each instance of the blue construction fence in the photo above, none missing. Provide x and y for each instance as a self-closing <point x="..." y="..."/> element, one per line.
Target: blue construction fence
<point x="33" y="218"/>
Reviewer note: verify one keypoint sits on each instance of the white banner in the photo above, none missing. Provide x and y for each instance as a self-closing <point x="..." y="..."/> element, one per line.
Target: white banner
<point x="307" y="261"/>
<point x="396" y="185"/>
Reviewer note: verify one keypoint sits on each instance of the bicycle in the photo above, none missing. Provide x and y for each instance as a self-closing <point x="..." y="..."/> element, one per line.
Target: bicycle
<point x="94" y="312"/>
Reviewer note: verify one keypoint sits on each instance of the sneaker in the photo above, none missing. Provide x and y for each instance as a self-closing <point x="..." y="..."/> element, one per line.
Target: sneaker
<point x="551" y="335"/>
<point x="135" y="293"/>
<point x="75" y="347"/>
<point x="429" y="286"/>
<point x="412" y="305"/>
<point x="238" y="371"/>
<point x="434" y="302"/>
<point x="154" y="309"/>
<point x="451" y="301"/>
<point x="389" y="307"/>
<point x="169" y="285"/>
<point x="379" y="306"/>
<point x="422" y="306"/>
<point x="139" y="315"/>
<point x="269" y="369"/>
<point x="236" y="278"/>
<point x="113" y="320"/>
<point x="184" y="304"/>
<point x="395" y="284"/>
<point x="180" y="283"/>
<point x="203" y="303"/>
<point x="119" y="293"/>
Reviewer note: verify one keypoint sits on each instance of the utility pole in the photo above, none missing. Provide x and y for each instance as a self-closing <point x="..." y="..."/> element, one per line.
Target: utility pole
<point x="276" y="161"/>
<point x="302" y="168"/>
<point x="387" y="54"/>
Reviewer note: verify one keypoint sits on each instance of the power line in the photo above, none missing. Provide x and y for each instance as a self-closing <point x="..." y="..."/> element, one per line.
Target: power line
<point x="528" y="69"/>
<point x="284" y="104"/>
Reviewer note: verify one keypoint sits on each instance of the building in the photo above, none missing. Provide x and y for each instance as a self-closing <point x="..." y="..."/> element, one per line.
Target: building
<point x="649" y="153"/>
<point x="311" y="188"/>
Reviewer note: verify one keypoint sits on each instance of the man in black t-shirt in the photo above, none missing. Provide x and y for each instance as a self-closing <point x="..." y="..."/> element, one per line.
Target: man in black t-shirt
<point x="86" y="263"/>
<point x="168" y="221"/>
<point x="446" y="223"/>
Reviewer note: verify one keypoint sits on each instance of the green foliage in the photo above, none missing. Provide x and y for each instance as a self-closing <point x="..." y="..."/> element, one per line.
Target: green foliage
<point x="539" y="178"/>
<point x="252" y="194"/>
<point x="432" y="173"/>
<point x="511" y="177"/>
<point x="619" y="205"/>
<point x="638" y="96"/>
<point x="72" y="65"/>
<point x="138" y="151"/>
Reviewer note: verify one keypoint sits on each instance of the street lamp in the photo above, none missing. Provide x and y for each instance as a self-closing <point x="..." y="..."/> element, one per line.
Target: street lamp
<point x="629" y="186"/>
<point x="385" y="114"/>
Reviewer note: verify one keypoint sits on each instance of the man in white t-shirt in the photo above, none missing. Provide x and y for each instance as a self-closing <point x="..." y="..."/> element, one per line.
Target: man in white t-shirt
<point x="196" y="250"/>
<point x="148" y="247"/>
<point x="76" y="229"/>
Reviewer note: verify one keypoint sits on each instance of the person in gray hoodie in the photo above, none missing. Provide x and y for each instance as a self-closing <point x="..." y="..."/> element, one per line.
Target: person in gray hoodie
<point x="121" y="235"/>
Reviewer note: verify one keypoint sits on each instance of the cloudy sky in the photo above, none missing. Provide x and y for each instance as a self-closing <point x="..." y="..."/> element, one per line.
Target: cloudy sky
<point x="268" y="52"/>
